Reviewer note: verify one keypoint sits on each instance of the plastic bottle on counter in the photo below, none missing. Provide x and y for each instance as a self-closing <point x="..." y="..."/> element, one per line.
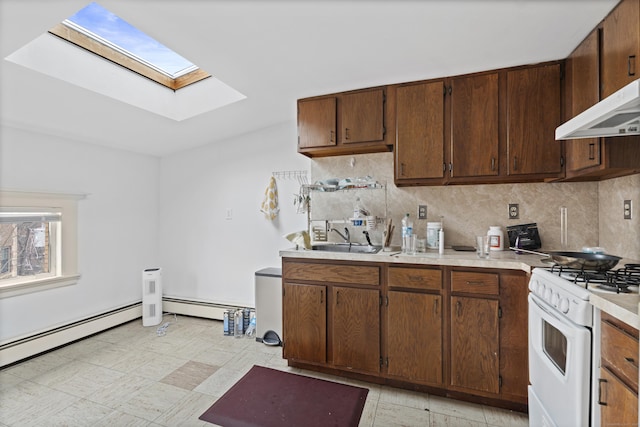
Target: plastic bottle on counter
<point x="441" y="241"/>
<point x="407" y="232"/>
<point x="433" y="231"/>
<point x="496" y="238"/>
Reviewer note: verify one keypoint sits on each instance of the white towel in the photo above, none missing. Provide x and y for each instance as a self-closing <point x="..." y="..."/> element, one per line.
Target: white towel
<point x="269" y="205"/>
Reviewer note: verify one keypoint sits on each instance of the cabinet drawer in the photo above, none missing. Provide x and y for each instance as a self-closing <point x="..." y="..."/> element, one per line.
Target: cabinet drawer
<point x="358" y="275"/>
<point x="475" y="283"/>
<point x="415" y="278"/>
<point x="620" y="352"/>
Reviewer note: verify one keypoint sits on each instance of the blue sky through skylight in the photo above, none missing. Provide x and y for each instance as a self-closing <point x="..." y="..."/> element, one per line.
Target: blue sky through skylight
<point x="109" y="26"/>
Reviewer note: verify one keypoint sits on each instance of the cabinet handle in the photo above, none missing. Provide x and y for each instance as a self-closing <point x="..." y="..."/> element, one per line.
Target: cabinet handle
<point x="631" y="65"/>
<point x="600" y="401"/>
<point x="435" y="307"/>
<point x="515" y="163"/>
<point x="346" y="133"/>
<point x="475" y="282"/>
<point x="458" y="308"/>
<point x="493" y="163"/>
<point x="332" y="136"/>
<point x="632" y="361"/>
<point x="401" y="169"/>
<point x="321" y="297"/>
<point x="415" y="278"/>
<point x="337" y="297"/>
<point x="592" y="151"/>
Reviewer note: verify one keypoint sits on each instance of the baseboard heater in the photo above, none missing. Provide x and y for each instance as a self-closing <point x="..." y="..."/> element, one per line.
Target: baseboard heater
<point x="208" y="310"/>
<point x="32" y="345"/>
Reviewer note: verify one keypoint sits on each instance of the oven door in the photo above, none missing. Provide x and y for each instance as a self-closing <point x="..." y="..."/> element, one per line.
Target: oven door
<point x="559" y="366"/>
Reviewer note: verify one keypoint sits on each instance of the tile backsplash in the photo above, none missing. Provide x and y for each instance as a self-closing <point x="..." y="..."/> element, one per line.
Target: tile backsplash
<point x="594" y="210"/>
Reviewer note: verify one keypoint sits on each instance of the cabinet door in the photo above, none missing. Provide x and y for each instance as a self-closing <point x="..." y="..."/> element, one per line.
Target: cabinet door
<point x="475" y="344"/>
<point x="583" y="73"/>
<point x="621" y="47"/>
<point x="356" y="328"/>
<point x="363" y="116"/>
<point x="533" y="113"/>
<point x="414" y="336"/>
<point x="618" y="403"/>
<point x="420" y="131"/>
<point x="304" y="320"/>
<point x="474" y="126"/>
<point x="317" y="123"/>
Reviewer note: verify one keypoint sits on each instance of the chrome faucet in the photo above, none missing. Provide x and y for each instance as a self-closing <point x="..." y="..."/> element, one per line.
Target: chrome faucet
<point x="346" y="237"/>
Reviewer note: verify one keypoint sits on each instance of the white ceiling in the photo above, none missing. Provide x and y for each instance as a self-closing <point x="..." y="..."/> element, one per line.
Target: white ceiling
<point x="275" y="52"/>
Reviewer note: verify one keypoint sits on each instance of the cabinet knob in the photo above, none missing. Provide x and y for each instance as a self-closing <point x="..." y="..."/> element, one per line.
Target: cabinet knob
<point x="592" y="151"/>
<point x="332" y="136"/>
<point x="346" y="133"/>
<point x="631" y="65"/>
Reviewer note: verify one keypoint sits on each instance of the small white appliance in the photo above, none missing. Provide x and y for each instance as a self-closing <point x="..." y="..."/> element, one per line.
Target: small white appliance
<point x="151" y="296"/>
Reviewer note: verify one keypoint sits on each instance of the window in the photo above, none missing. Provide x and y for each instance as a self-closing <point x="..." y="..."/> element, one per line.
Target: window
<point x="33" y="228"/>
<point x="107" y="35"/>
<point x="5" y="260"/>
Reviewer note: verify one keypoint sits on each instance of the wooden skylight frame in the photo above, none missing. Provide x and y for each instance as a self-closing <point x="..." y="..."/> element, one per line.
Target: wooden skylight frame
<point x="92" y="45"/>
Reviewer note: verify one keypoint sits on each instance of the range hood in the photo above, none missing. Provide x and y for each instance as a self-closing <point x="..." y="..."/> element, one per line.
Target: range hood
<point x="616" y="115"/>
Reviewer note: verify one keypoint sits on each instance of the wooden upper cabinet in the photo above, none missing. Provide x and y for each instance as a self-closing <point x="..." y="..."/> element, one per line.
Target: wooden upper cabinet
<point x="620" y="47"/>
<point x="474" y="126"/>
<point x="583" y="77"/>
<point x="533" y="113"/>
<point x="317" y="123"/>
<point x="420" y="131"/>
<point x="363" y="116"/>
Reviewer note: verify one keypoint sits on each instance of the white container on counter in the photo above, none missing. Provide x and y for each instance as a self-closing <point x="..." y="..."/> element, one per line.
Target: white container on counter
<point x="496" y="238"/>
<point x="433" y="229"/>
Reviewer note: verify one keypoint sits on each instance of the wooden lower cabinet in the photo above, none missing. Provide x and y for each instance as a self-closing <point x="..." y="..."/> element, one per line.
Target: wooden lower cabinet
<point x="475" y="344"/>
<point x="414" y="337"/>
<point x="355" y="334"/>
<point x="618" y="382"/>
<point x="305" y="322"/>
<point x="445" y="330"/>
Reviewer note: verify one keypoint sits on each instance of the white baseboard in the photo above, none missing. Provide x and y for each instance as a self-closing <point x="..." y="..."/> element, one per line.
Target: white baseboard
<point x="32" y="345"/>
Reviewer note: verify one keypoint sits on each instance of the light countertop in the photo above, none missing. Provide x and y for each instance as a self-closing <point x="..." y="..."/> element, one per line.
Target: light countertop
<point x="621" y="306"/>
<point x="497" y="259"/>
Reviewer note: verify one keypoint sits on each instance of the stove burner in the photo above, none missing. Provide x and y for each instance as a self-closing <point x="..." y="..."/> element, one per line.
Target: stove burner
<point x="617" y="281"/>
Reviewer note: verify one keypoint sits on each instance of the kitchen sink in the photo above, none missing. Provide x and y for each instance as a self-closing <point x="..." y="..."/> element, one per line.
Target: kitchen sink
<point x="345" y="247"/>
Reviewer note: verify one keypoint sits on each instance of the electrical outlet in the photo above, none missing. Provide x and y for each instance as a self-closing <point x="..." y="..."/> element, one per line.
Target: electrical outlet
<point x="422" y="211"/>
<point x="514" y="211"/>
<point x="627" y="209"/>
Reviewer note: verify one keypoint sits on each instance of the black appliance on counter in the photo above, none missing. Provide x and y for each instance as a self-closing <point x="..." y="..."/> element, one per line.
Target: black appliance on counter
<point x="526" y="235"/>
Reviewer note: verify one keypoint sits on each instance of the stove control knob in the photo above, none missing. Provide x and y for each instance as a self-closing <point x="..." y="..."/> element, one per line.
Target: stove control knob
<point x="564" y="305"/>
<point x="540" y="290"/>
<point x="547" y="294"/>
<point x="555" y="297"/>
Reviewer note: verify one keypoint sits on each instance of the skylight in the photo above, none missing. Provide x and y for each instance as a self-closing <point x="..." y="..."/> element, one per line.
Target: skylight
<point x="102" y="35"/>
<point x="106" y="34"/>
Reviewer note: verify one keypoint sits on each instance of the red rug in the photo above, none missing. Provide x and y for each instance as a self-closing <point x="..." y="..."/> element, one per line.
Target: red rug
<point x="267" y="397"/>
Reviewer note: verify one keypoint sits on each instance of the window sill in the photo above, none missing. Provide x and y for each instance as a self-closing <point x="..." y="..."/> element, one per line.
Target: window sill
<point x="12" y="290"/>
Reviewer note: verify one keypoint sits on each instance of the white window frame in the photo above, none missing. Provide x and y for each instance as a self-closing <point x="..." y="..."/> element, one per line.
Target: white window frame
<point x="67" y="271"/>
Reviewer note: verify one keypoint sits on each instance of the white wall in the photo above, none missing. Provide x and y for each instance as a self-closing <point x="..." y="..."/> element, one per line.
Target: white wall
<point x="117" y="225"/>
<point x="204" y="256"/>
